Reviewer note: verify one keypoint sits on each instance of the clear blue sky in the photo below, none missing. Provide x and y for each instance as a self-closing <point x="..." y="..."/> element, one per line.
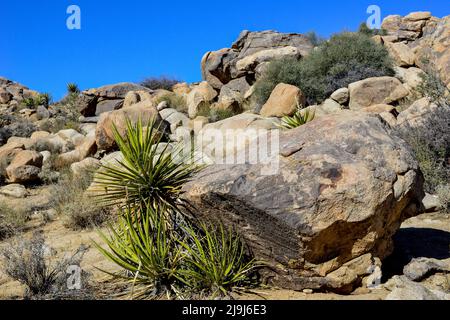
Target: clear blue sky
<point x="130" y="40"/>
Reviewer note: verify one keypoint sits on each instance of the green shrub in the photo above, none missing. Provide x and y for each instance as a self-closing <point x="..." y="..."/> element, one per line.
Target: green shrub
<point x="345" y="58"/>
<point x="174" y="101"/>
<point x="434" y="88"/>
<point x="364" y="29"/>
<point x="220" y="114"/>
<point x="12" y="220"/>
<point x="314" y="38"/>
<point x="144" y="174"/>
<point x="155" y="83"/>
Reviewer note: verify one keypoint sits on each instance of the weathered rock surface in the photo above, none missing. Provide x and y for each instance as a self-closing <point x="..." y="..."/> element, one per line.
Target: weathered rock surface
<point x="405" y="289"/>
<point x="343" y="187"/>
<point x="368" y="92"/>
<point x="420" y="268"/>
<point x="427" y="38"/>
<point x="283" y="101"/>
<point x="251" y="50"/>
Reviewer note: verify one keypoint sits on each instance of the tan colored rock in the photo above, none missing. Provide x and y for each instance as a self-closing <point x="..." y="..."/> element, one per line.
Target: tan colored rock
<point x="25" y="167"/>
<point x="402" y="54"/>
<point x="411" y="77"/>
<point x="391" y="23"/>
<point x="250" y="62"/>
<point x="40" y="135"/>
<point x="78" y="168"/>
<point x="200" y="97"/>
<point x="415" y="115"/>
<point x="104" y="132"/>
<point x="181" y="89"/>
<point x="341" y="96"/>
<point x="417" y="16"/>
<point x="379" y="108"/>
<point x="368" y="92"/>
<point x="14" y="190"/>
<point x="283" y="101"/>
<point x="27" y="157"/>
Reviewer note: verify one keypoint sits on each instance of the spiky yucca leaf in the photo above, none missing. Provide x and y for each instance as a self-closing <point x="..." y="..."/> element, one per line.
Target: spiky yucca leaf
<point x="215" y="259"/>
<point x="144" y="175"/>
<point x="145" y="248"/>
<point x="300" y="117"/>
<point x="72" y="88"/>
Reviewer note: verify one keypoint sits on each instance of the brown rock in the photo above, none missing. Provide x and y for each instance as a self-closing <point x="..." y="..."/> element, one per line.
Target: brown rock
<point x="402" y="54"/>
<point x="330" y="208"/>
<point x="104" y="132"/>
<point x="283" y="101"/>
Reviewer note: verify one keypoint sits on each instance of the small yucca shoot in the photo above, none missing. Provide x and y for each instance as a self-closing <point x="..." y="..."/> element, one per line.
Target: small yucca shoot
<point x="72" y="88"/>
<point x="300" y="117"/>
<point x="44" y="99"/>
<point x="215" y="260"/>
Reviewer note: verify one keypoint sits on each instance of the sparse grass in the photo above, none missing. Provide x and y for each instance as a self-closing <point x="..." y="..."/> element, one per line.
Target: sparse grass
<point x="78" y="210"/>
<point x="345" y="58"/>
<point x="434" y="88"/>
<point x="443" y="193"/>
<point x="174" y="101"/>
<point x="28" y="261"/>
<point x="162" y="82"/>
<point x="12" y="220"/>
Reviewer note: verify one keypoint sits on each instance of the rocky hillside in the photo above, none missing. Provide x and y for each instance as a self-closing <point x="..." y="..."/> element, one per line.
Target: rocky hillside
<point x="374" y="154"/>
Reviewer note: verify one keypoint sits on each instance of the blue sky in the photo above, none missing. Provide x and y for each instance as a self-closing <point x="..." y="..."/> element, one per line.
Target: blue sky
<point x="130" y="40"/>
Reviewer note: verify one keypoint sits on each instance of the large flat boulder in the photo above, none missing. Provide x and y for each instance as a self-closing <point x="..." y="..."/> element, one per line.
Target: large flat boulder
<point x="326" y="217"/>
<point x="368" y="92"/>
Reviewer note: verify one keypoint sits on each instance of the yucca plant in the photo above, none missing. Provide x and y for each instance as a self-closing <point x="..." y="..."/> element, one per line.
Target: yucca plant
<point x="44" y="99"/>
<point x="145" y="174"/>
<point x="300" y="117"/>
<point x="145" y="248"/>
<point x="215" y="260"/>
<point x="72" y="88"/>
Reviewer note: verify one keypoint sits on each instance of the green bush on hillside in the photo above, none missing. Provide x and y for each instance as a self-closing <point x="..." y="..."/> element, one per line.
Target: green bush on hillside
<point x="345" y="58"/>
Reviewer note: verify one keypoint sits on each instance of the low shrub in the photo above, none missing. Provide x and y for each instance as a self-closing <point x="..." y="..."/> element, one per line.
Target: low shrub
<point x="443" y="193"/>
<point x="28" y="262"/>
<point x="69" y="199"/>
<point x="345" y="58"/>
<point x="12" y="220"/>
<point x="433" y="87"/>
<point x="174" y="101"/>
<point x="220" y="114"/>
<point x="162" y="82"/>
<point x="314" y="38"/>
<point x="364" y="29"/>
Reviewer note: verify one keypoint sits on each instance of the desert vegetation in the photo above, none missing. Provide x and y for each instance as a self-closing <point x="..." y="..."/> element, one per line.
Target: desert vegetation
<point x="345" y="58"/>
